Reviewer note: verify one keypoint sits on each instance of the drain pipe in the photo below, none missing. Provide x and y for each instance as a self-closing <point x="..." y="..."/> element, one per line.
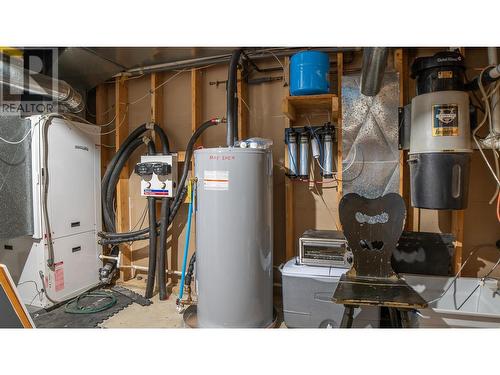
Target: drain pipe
<point x="372" y="73"/>
<point x="16" y="77"/>
<point x="231" y="98"/>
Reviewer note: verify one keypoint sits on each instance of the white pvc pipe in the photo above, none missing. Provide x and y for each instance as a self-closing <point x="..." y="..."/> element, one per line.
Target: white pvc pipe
<point x="135" y="267"/>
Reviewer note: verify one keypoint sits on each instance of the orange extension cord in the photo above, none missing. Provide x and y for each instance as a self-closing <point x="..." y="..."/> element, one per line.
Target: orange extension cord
<point x="498" y="207"/>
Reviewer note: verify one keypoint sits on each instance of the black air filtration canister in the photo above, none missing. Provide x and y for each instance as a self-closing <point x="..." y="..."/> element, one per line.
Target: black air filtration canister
<point x="440" y="146"/>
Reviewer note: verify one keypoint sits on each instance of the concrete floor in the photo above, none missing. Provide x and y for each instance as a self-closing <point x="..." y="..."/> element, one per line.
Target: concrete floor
<point x="160" y="314"/>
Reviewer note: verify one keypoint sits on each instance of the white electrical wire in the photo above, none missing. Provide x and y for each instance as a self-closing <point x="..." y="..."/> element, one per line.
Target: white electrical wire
<point x="277" y="59"/>
<point x="487" y="117"/>
<point x="19" y="141"/>
<point x="353" y="158"/>
<point x="323" y="169"/>
<point x="42" y="117"/>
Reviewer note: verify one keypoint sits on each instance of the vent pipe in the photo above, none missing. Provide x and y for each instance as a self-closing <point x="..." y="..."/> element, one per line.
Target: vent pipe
<point x="232" y="99"/>
<point x="18" y="78"/>
<point x="372" y="73"/>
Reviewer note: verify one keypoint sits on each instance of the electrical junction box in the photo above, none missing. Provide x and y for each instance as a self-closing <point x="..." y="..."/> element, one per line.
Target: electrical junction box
<point x="158" y="175"/>
<point x="73" y="205"/>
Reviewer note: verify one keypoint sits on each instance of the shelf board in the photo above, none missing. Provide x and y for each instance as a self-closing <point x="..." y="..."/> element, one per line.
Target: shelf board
<point x="296" y="105"/>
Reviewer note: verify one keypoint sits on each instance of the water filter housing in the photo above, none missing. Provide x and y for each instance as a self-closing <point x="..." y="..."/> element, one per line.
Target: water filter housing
<point x="234" y="237"/>
<point x="440" y="144"/>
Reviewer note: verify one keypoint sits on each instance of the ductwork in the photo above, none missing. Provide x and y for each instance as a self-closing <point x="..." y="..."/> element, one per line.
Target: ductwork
<point x="18" y="78"/>
<point x="372" y="74"/>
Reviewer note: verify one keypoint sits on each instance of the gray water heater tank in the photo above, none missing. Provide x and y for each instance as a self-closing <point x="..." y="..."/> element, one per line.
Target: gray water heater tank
<point x="234" y="237"/>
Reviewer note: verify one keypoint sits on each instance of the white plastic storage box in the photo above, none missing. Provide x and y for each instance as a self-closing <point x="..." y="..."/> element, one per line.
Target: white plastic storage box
<point x="307" y="298"/>
<point x="469" y="303"/>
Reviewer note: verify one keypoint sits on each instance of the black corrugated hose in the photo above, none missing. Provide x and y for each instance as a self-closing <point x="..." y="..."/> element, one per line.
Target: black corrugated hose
<point x="108" y="188"/>
<point x="190" y="270"/>
<point x="150" y="283"/>
<point x="116" y="238"/>
<point x="162" y="254"/>
<point x="168" y="210"/>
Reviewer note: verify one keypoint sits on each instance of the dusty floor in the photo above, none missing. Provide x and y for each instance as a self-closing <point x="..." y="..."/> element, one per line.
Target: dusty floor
<point x="160" y="314"/>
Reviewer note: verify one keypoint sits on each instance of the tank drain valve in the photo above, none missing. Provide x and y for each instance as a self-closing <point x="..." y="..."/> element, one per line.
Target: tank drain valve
<point x="180" y="306"/>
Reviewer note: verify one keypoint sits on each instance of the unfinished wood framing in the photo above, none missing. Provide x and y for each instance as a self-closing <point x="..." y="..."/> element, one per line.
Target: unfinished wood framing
<point x="457" y="226"/>
<point x="196" y="103"/>
<point x="289" y="221"/>
<point x="122" y="189"/>
<point x="412" y="214"/>
<point x="340" y="72"/>
<point x="292" y="108"/>
<point x="156" y="113"/>
<point x="295" y="105"/>
<point x="101" y="105"/>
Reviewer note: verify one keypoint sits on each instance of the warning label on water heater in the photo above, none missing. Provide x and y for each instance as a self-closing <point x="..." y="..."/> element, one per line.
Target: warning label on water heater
<point x="216" y="180"/>
<point x="444" y="120"/>
<point x="59" y="276"/>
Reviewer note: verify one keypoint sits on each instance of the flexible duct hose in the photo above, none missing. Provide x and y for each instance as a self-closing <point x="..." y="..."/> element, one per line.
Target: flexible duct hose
<point x="168" y="210"/>
<point x="150" y="283"/>
<point x="111" y="177"/>
<point x="110" y="186"/>
<point x="116" y="238"/>
<point x="174" y="207"/>
<point x="189" y="274"/>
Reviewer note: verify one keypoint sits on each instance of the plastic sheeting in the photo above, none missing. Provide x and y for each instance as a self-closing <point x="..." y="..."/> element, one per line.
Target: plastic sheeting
<point x="370" y="138"/>
<point x="16" y="207"/>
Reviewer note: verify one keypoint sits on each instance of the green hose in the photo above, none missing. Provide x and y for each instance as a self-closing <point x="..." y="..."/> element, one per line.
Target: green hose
<point x="74" y="307"/>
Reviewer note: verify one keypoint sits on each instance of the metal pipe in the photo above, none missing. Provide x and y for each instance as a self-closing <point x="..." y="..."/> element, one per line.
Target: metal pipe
<point x="16" y="77"/>
<point x="372" y="73"/>
<point x="495" y="115"/>
<point x="255" y="54"/>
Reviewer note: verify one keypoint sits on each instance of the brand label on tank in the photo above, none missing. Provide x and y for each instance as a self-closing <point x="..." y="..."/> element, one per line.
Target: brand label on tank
<point x="216" y="180"/>
<point x="445" y="120"/>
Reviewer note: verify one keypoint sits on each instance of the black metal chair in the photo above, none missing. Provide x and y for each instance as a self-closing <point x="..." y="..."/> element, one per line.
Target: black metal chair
<point x="372" y="228"/>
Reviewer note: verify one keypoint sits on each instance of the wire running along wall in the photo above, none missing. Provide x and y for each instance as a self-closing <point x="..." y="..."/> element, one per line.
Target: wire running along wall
<point x="16" y="218"/>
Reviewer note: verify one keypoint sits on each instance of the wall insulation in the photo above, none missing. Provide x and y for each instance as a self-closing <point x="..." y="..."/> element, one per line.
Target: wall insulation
<point x="16" y="206"/>
<point x="370" y="138"/>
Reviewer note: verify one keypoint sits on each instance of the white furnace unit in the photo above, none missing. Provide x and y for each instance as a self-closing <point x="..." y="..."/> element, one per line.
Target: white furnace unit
<point x="66" y="176"/>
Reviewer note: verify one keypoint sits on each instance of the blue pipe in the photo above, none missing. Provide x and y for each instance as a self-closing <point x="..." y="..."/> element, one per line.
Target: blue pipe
<point x="186" y="246"/>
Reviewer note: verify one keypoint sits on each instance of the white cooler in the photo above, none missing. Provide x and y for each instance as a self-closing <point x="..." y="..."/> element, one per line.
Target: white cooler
<point x="307" y="298"/>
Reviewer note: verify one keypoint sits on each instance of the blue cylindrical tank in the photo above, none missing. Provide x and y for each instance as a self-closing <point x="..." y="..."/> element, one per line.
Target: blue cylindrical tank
<point x="309" y="73"/>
